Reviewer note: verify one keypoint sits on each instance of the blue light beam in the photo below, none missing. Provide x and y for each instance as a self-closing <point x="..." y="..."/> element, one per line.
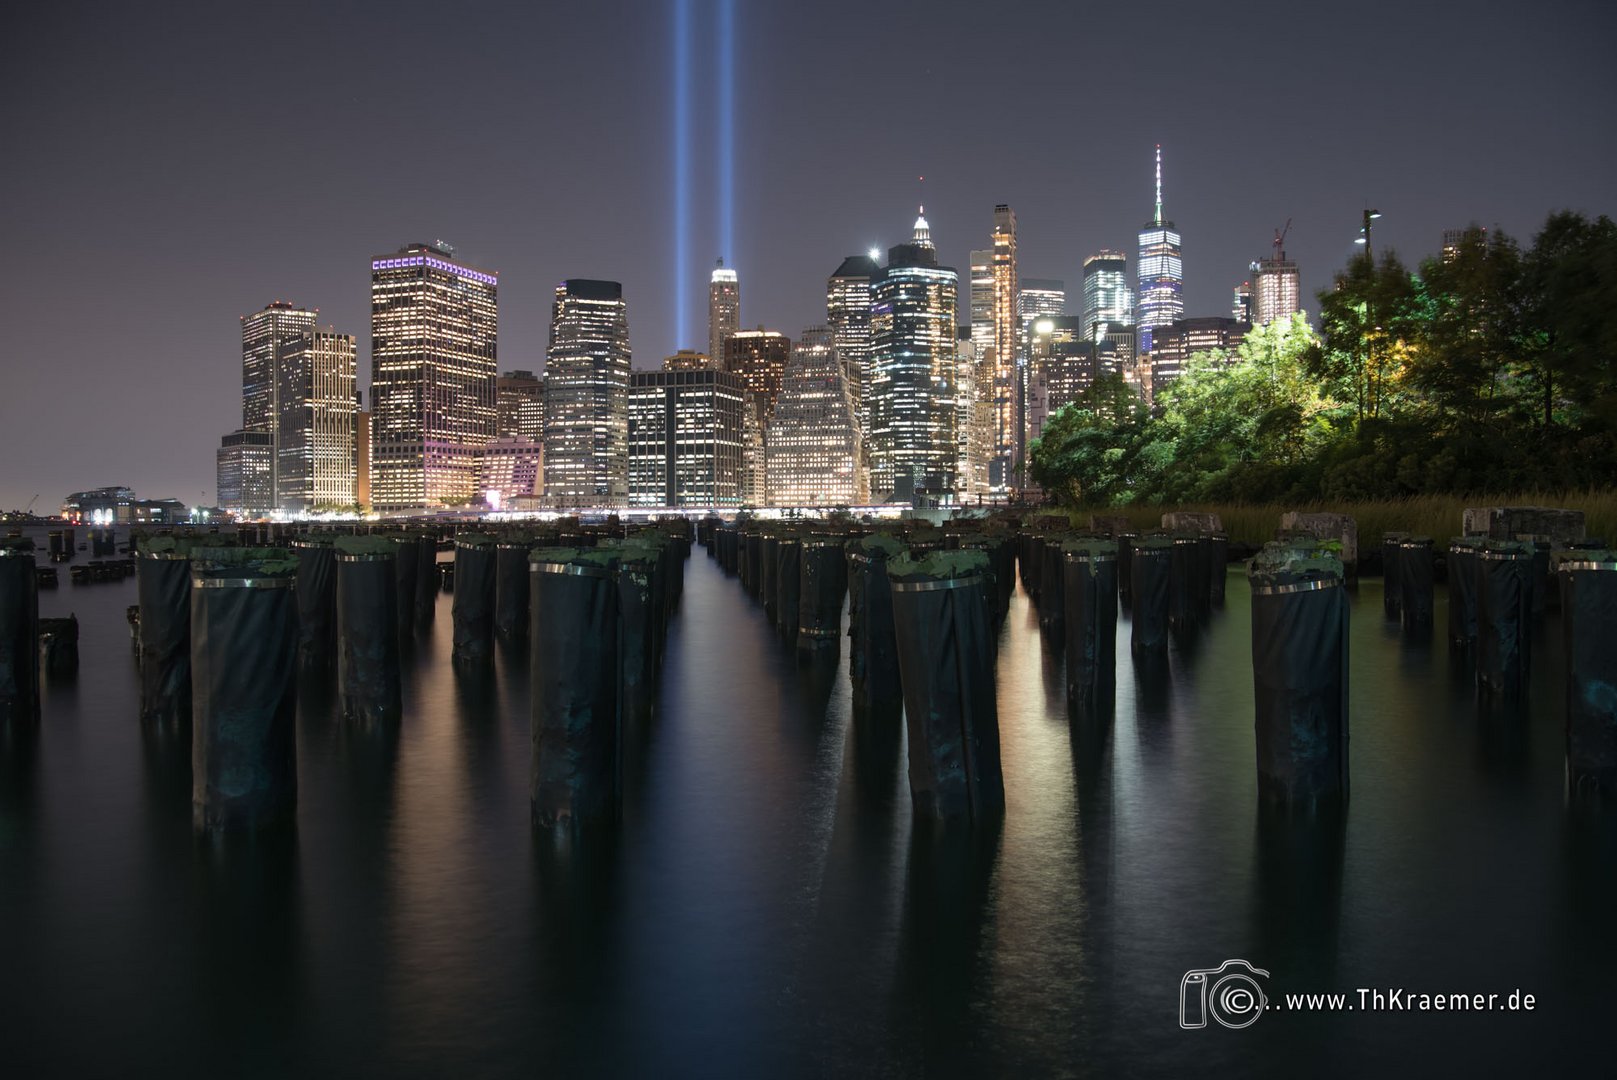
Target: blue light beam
<point x="682" y="168"/>
<point x="727" y="131"/>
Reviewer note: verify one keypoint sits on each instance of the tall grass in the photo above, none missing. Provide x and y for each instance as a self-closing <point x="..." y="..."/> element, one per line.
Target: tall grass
<point x="1437" y="516"/>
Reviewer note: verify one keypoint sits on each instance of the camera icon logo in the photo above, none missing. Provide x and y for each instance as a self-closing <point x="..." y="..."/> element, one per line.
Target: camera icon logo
<point x="1230" y="993"/>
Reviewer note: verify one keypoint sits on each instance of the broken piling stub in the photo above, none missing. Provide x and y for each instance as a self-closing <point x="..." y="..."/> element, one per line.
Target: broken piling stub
<point x="244" y="648"/>
<point x="19" y="633"/>
<point x="1089" y="580"/>
<point x="1588" y="580"/>
<point x="368" y="677"/>
<point x="573" y="638"/>
<point x="1300" y="675"/>
<point x="946" y="666"/>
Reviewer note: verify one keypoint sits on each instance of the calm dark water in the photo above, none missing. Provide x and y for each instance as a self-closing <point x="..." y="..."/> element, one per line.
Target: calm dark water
<point x="766" y="907"/>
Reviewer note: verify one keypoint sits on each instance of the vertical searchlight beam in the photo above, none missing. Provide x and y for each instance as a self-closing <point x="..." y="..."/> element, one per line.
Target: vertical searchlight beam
<point x="727" y="19"/>
<point x="682" y="168"/>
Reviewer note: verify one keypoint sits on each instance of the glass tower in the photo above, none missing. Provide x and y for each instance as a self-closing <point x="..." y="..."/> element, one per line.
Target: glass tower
<point x="1107" y="296"/>
<point x="913" y="306"/>
<point x="314" y="438"/>
<point x="847" y="315"/>
<point x="723" y="309"/>
<point x="434" y="325"/>
<point x="1007" y="341"/>
<point x="269" y="340"/>
<point x="1161" y="269"/>
<point x="587" y="396"/>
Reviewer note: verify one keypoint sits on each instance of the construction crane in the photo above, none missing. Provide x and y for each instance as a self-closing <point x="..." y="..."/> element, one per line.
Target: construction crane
<point x="1280" y="241"/>
<point x="30" y="507"/>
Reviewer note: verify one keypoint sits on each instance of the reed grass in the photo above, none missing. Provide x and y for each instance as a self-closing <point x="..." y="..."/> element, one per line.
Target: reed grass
<point x="1437" y="516"/>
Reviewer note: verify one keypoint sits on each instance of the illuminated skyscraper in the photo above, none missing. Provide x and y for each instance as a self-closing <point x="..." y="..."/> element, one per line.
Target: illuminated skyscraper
<point x="245" y="468"/>
<point x="813" y="444"/>
<point x="1180" y="340"/>
<point x="974" y="418"/>
<point x="519" y="402"/>
<point x="434" y="326"/>
<point x="847" y="314"/>
<point x="913" y="367"/>
<point x="1007" y="338"/>
<point x="982" y="301"/>
<point x="685" y="438"/>
<point x="687" y="360"/>
<point x="1107" y="296"/>
<point x="1036" y="298"/>
<point x="759" y="357"/>
<point x="269" y="338"/>
<point x="1241" y="303"/>
<point x="723" y="308"/>
<point x="315" y="462"/>
<point x="1161" y="269"/>
<point x="1276" y="293"/>
<point x="587" y="396"/>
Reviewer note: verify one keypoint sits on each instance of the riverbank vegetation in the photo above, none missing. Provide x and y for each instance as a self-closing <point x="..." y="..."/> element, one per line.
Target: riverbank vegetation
<point x="1490" y="368"/>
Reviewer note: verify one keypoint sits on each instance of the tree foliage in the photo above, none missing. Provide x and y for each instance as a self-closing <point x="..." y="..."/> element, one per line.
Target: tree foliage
<point x="1491" y="367"/>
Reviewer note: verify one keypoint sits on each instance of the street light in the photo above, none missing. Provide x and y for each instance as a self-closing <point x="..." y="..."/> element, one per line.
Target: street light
<point x="1364" y="231"/>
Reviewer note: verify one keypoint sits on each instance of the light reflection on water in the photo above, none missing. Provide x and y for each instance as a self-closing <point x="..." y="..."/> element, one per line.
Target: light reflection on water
<point x="767" y="906"/>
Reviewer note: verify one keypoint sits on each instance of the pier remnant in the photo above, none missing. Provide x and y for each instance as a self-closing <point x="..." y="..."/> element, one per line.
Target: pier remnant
<point x="1300" y="675"/>
<point x="244" y="648"/>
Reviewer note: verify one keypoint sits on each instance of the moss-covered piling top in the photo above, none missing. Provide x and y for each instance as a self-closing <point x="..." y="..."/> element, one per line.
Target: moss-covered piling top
<point x="1297" y="560"/>
<point x="16" y="545"/>
<point x="366" y="545"/>
<point x="477" y="540"/>
<point x="178" y="547"/>
<point x="1089" y="546"/>
<point x="243" y="562"/>
<point x="1596" y="554"/>
<point x="312" y="540"/>
<point x="1155" y="541"/>
<point x="1508" y="547"/>
<point x="937" y="565"/>
<point x="876" y="546"/>
<point x="602" y="558"/>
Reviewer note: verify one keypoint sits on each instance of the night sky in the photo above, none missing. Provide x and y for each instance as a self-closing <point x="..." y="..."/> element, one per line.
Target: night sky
<point x="168" y="168"/>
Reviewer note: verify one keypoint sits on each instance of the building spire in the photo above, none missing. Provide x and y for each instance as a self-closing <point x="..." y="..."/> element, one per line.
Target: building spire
<point x="1158" y="219"/>
<point x="923" y="231"/>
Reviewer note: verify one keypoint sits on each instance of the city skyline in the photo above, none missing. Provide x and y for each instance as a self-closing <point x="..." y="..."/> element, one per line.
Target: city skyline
<point x="113" y="190"/>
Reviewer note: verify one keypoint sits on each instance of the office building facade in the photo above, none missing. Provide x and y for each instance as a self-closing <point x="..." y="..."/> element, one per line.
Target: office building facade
<point x="1161" y="272"/>
<point x="812" y="445"/>
<point x="434" y="332"/>
<point x="685" y="439"/>
<point x="586" y="439"/>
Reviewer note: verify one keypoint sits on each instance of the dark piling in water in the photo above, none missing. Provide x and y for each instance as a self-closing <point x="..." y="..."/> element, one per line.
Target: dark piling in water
<point x="573" y="637"/>
<point x="788" y="586"/>
<point x="405" y="568"/>
<point x="768" y="572"/>
<point x="1052" y="596"/>
<point x="1588" y="581"/>
<point x="872" y="643"/>
<point x="368" y="678"/>
<point x="1462" y="570"/>
<point x="317" y="602"/>
<point x="427" y="581"/>
<point x="1216" y="546"/>
<point x="59" y="648"/>
<point x="640" y="608"/>
<point x="19" y="634"/>
<point x="1089" y="580"/>
<point x="244" y="647"/>
<point x="1392" y="581"/>
<point x="474" y="598"/>
<point x="511" y="588"/>
<point x="946" y="666"/>
<point x="1504" y="599"/>
<point x="1300" y="675"/>
<point x="163" y="588"/>
<point x="823" y="582"/>
<point x="1414" y="571"/>
<point x="1149" y="571"/>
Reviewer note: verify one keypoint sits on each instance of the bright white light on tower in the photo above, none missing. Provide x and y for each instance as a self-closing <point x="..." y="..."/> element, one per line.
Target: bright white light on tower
<point x="875" y="254"/>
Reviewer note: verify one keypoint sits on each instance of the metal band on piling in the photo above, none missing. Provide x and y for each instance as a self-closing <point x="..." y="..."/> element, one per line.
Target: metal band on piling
<point x="243" y="583"/>
<point x="932" y="586"/>
<point x="572" y="568"/>
<point x="1588" y="566"/>
<point x="1297" y="587"/>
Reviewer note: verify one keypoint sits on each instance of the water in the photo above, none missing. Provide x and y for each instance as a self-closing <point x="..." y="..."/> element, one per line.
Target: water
<point x="767" y="908"/>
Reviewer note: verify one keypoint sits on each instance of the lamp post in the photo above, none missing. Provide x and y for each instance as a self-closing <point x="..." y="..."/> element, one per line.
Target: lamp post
<point x="1369" y="347"/>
